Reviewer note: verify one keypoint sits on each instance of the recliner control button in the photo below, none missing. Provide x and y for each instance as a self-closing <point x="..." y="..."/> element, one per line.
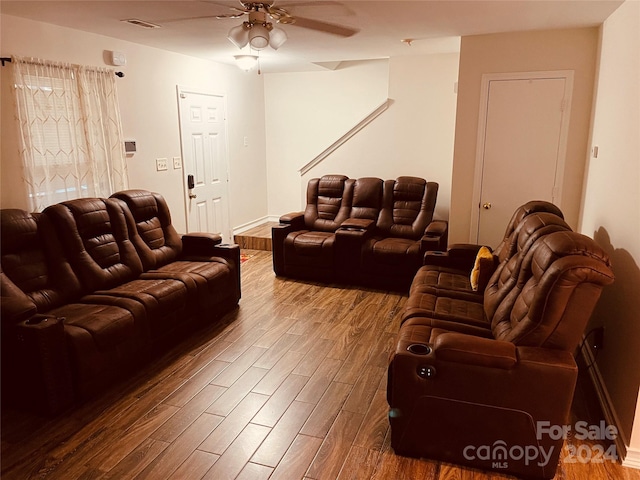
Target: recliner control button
<point x="426" y="371"/>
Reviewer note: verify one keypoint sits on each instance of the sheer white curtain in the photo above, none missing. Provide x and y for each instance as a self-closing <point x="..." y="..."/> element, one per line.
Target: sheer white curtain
<point x="71" y="136"/>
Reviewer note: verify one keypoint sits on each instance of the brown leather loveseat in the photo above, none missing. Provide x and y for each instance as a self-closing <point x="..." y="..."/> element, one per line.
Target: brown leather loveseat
<point x="91" y="288"/>
<point x="367" y="231"/>
<point x="482" y="377"/>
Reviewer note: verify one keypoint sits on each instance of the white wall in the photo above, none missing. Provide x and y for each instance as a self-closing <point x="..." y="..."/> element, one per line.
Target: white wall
<point x="149" y="110"/>
<point x="306" y="112"/>
<point x="545" y="50"/>
<point x="611" y="214"/>
<point x="312" y="110"/>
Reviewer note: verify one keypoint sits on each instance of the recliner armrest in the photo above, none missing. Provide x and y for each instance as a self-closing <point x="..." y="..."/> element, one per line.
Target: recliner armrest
<point x="278" y="235"/>
<point x="362" y="224"/>
<point x="437" y="228"/>
<point x="231" y="253"/>
<point x="204" y="247"/>
<point x="496" y="393"/>
<point x="16" y="309"/>
<point x="40" y="375"/>
<point x="200" y="244"/>
<point x="355" y="228"/>
<point x="435" y="236"/>
<point x="15" y="305"/>
<point x="468" y="349"/>
<point x="294" y="219"/>
<point x="460" y="256"/>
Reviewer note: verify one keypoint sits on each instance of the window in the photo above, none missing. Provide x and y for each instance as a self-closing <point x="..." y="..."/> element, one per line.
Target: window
<point x="69" y="123"/>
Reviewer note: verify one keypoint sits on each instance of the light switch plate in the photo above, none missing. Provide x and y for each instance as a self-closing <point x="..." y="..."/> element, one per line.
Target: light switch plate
<point x="177" y="163"/>
<point x="161" y="164"/>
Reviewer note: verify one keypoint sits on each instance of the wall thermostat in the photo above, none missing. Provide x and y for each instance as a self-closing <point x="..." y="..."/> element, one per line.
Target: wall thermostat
<point x="118" y="59"/>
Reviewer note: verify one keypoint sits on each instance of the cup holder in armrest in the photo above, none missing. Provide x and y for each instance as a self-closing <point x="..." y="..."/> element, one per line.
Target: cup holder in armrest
<point x="419" y="349"/>
<point x="36" y="320"/>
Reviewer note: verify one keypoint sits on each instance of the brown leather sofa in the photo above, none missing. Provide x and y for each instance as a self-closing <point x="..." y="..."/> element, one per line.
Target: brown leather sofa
<point x="477" y="377"/>
<point x="367" y="231"/>
<point x="452" y="269"/>
<point x="92" y="288"/>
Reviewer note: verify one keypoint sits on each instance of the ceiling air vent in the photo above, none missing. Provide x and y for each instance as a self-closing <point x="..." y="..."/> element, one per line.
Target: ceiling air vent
<point x="140" y="23"/>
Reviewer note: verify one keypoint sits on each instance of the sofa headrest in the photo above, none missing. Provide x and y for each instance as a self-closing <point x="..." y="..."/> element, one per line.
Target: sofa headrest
<point x="535" y="206"/>
<point x="505" y="249"/>
<point x="408" y="189"/>
<point x="19" y="230"/>
<point x="367" y="198"/>
<point x="559" y="283"/>
<point x="331" y="186"/>
<point x="407" y="207"/>
<point x="514" y="253"/>
<point x="95" y="236"/>
<point x="153" y="235"/>
<point x="328" y="202"/>
<point x="32" y="259"/>
<point x="532" y="227"/>
<point x="570" y="244"/>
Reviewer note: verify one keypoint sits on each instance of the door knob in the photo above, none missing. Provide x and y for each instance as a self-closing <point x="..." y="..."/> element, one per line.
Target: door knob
<point x="192" y="195"/>
<point x="486" y="205"/>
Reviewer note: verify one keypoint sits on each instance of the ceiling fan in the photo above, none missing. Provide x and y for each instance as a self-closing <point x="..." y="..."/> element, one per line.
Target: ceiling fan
<point x="259" y="31"/>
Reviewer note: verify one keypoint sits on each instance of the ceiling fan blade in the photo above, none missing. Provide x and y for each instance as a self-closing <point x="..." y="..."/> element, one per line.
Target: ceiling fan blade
<point x="314" y="3"/>
<point x="240" y="11"/>
<point x="228" y="15"/>
<point x="186" y="19"/>
<point x="325" y="27"/>
<point x="276" y="12"/>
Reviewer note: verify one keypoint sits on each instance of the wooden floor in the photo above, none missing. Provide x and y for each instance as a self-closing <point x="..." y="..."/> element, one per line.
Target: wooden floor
<point x="290" y="386"/>
<point x="257" y="238"/>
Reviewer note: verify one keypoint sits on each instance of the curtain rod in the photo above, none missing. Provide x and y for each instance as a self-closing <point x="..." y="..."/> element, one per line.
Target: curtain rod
<point x="4" y="60"/>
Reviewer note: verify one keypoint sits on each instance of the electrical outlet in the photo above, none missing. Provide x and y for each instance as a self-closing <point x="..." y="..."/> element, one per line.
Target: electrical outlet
<point x="177" y="163"/>
<point x="161" y="164"/>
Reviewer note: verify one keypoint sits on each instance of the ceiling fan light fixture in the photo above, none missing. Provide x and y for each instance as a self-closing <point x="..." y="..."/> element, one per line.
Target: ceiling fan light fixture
<point x="277" y="37"/>
<point x="246" y="62"/>
<point x="239" y="35"/>
<point x="258" y="36"/>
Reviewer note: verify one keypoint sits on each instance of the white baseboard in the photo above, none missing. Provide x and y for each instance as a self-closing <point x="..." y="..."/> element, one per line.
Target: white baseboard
<point x="626" y="456"/>
<point x="249" y="225"/>
<point x="632" y="458"/>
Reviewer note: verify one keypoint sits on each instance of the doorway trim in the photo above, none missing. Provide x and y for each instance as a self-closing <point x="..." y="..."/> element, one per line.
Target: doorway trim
<point x="182" y="89"/>
<point x="487" y="78"/>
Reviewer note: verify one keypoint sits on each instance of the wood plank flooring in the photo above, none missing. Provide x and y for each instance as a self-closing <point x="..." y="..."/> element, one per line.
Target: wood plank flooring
<point x="257" y="238"/>
<point x="291" y="385"/>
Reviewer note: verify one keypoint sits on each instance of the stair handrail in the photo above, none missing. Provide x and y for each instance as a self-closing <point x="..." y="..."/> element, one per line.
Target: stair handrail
<point x="344" y="138"/>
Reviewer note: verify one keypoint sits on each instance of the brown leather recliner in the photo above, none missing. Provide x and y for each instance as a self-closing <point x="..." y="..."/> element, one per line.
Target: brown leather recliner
<point x="75" y="343"/>
<point x="303" y="244"/>
<point x="478" y="308"/>
<point x="361" y="224"/>
<point x="361" y="230"/>
<point x="451" y="270"/>
<point x="395" y="250"/>
<point x="88" y="292"/>
<point x="485" y="399"/>
<point x="167" y="255"/>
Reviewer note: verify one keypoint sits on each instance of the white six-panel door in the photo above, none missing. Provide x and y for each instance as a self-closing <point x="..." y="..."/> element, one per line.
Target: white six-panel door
<point x="205" y="161"/>
<point x="522" y="142"/>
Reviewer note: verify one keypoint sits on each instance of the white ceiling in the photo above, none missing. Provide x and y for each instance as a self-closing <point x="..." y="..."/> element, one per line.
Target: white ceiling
<point x="435" y="26"/>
